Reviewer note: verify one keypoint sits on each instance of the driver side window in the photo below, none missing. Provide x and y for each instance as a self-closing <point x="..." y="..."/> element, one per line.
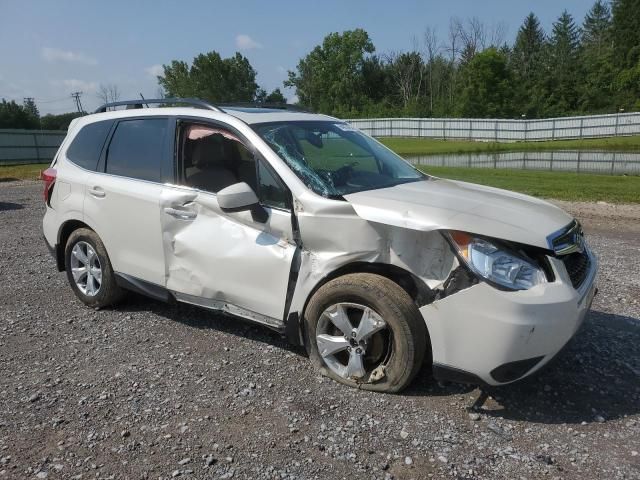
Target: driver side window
<point x="213" y="158"/>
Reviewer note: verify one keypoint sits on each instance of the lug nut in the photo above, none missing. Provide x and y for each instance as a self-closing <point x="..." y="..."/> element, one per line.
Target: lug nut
<point x="353" y="334"/>
<point x="359" y="351"/>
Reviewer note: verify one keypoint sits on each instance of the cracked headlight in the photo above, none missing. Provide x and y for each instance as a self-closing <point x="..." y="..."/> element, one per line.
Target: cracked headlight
<point x="496" y="263"/>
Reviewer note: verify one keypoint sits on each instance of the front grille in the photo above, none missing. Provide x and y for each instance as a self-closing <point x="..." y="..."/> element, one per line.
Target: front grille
<point x="577" y="265"/>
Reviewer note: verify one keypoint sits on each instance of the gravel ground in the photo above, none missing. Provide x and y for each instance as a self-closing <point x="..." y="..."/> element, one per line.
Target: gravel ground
<point x="150" y="390"/>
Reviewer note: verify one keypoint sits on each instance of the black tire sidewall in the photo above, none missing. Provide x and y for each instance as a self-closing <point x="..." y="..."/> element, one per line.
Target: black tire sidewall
<point x="394" y="307"/>
<point x="107" y="286"/>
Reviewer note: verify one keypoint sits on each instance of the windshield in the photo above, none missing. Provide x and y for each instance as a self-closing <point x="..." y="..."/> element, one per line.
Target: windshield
<point x="335" y="159"/>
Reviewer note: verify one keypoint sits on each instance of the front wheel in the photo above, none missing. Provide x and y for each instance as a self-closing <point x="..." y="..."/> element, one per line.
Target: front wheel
<point x="363" y="330"/>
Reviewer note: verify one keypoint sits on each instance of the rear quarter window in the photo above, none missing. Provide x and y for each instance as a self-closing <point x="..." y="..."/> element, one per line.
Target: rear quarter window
<point x="87" y="145"/>
<point x="136" y="149"/>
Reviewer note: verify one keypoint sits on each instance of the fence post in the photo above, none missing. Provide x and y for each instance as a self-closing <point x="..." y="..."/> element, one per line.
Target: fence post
<point x="581" y="123"/>
<point x="391" y="127"/>
<point x="444" y="129"/>
<point x="470" y="129"/>
<point x="615" y="134"/>
<point x="526" y="127"/>
<point x="35" y="143"/>
<point x="496" y="130"/>
<point x="579" y="155"/>
<point x="553" y="129"/>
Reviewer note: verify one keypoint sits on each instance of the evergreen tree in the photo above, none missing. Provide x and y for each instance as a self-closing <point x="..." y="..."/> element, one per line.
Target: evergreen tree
<point x="626" y="32"/>
<point x="527" y="63"/>
<point x="562" y="77"/>
<point x="626" y="52"/>
<point x="596" y="61"/>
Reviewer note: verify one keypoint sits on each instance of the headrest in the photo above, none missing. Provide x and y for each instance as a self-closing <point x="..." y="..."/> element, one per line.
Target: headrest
<point x="208" y="151"/>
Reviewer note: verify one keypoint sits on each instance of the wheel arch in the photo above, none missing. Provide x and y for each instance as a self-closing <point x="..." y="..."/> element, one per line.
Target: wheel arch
<point x="65" y="231"/>
<point x="419" y="292"/>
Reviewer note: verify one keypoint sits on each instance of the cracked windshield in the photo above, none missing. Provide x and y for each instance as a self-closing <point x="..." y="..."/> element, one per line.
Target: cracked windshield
<point x="334" y="159"/>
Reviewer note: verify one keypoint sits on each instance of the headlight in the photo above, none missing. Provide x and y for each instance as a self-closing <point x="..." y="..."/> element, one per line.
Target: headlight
<point x="497" y="264"/>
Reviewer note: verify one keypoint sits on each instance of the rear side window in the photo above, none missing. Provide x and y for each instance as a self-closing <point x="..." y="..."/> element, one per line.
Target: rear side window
<point x="86" y="147"/>
<point x="136" y="149"/>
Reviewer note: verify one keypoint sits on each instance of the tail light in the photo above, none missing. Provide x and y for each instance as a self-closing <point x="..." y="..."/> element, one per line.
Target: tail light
<point x="48" y="176"/>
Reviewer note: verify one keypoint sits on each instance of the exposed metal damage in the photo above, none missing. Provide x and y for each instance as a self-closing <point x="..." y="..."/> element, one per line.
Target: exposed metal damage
<point x="330" y="238"/>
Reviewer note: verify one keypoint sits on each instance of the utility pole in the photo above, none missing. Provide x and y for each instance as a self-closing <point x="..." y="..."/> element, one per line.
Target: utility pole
<point x="76" y="97"/>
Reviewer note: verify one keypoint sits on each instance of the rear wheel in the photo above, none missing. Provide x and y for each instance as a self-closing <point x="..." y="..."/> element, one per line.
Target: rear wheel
<point x="89" y="270"/>
<point x="366" y="332"/>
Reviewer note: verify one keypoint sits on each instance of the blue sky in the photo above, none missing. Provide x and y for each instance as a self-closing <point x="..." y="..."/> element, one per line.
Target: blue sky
<point x="49" y="49"/>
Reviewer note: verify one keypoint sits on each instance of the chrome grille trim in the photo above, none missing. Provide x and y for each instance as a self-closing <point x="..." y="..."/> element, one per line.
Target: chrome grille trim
<point x="567" y="240"/>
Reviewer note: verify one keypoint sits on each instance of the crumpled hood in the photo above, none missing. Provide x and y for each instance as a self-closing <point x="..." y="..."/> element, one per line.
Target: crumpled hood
<point x="446" y="204"/>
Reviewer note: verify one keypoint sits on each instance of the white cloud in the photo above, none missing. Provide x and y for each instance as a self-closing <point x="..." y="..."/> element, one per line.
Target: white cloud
<point x="57" y="55"/>
<point x="155" y="70"/>
<point x="75" y="84"/>
<point x="245" y="42"/>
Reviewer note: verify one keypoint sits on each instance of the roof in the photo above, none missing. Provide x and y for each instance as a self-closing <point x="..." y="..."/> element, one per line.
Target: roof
<point x="265" y="115"/>
<point x="246" y="114"/>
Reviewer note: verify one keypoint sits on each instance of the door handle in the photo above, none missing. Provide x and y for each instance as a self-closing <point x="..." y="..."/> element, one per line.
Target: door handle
<point x="97" y="192"/>
<point x="181" y="214"/>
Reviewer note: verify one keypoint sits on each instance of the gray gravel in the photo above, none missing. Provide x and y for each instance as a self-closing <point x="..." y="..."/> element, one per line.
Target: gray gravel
<point x="150" y="390"/>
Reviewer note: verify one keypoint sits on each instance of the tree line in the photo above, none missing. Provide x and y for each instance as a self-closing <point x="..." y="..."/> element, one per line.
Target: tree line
<point x="576" y="68"/>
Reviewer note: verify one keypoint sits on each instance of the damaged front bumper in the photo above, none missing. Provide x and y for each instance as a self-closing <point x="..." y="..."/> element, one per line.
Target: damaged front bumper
<point x="483" y="335"/>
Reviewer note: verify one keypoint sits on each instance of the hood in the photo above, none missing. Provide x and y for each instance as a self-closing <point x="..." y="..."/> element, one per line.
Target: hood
<point x="446" y="204"/>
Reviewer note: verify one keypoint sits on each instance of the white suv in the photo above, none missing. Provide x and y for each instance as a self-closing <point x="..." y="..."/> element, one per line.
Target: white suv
<point x="304" y="224"/>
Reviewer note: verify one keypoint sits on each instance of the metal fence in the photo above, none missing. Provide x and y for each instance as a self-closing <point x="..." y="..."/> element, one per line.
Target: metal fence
<point x="612" y="163"/>
<point x="39" y="146"/>
<point x="497" y="130"/>
<point x="19" y="147"/>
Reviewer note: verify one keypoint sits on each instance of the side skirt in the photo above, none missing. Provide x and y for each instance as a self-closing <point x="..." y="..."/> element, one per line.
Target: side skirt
<point x="231" y="309"/>
<point x="143" y="287"/>
<point x="160" y="293"/>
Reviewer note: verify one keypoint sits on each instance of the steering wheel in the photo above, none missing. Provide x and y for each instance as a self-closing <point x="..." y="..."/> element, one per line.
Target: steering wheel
<point x="342" y="175"/>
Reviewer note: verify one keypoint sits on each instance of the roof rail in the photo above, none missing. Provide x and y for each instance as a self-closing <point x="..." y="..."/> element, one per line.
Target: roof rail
<point x="195" y="102"/>
<point x="279" y="106"/>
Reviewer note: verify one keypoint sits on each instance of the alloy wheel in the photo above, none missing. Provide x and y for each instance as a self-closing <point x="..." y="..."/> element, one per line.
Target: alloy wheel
<point x="353" y="340"/>
<point x="86" y="268"/>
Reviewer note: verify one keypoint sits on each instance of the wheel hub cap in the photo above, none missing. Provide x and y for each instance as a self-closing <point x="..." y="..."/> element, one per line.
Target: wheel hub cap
<point x="343" y="336"/>
<point x="86" y="269"/>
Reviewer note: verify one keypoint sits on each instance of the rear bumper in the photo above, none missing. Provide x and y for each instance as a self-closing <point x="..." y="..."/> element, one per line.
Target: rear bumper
<point x="50" y="236"/>
<point x="483" y="335"/>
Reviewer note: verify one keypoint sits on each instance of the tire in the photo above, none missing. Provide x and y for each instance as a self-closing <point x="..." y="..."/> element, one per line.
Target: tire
<point x="107" y="292"/>
<point x="405" y="332"/>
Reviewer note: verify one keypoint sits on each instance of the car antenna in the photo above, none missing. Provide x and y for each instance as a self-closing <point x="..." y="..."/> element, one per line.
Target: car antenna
<point x="142" y="97"/>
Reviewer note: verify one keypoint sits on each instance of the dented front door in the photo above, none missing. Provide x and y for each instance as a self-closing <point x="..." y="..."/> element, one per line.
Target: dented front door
<point x="226" y="260"/>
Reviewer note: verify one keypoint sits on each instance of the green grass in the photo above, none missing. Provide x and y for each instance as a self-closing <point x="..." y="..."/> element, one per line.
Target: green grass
<point x="558" y="185"/>
<point x="427" y="146"/>
<point x="22" y="172"/>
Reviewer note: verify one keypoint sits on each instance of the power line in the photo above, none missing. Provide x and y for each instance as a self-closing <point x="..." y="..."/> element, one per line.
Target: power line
<point x="10" y="97"/>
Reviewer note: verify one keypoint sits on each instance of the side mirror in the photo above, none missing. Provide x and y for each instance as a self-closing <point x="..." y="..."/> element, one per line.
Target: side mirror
<point x="238" y="196"/>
